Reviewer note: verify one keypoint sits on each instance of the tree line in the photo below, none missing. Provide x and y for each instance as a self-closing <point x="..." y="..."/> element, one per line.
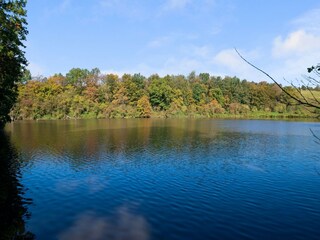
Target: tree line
<point x="83" y="93"/>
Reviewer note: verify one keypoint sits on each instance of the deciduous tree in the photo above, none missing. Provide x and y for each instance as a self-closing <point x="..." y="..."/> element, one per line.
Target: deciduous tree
<point x="13" y="33"/>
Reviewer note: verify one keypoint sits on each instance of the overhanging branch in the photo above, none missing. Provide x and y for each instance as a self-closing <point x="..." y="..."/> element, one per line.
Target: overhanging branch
<point x="302" y="102"/>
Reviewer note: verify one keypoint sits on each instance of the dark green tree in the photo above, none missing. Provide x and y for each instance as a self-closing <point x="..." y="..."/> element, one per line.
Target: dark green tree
<point x="13" y="33"/>
<point x="204" y="77"/>
<point x="77" y="77"/>
<point x="160" y="92"/>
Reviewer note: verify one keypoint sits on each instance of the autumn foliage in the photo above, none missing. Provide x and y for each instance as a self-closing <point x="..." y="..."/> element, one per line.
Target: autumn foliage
<point x="89" y="94"/>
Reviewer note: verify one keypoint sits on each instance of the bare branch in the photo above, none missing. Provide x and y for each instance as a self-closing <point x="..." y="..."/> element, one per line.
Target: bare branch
<point x="301" y="101"/>
<point x="314" y="97"/>
<point x="310" y="79"/>
<point x="300" y="93"/>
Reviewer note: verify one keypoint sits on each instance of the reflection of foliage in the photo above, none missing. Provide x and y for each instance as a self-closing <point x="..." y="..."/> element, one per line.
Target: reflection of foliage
<point x="113" y="136"/>
<point x="12" y="205"/>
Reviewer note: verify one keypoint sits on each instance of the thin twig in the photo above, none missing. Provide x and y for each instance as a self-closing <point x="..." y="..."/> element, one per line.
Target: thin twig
<point x="279" y="85"/>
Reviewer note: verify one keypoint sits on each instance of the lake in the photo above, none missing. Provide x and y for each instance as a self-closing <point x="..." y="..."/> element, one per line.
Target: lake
<point x="160" y="179"/>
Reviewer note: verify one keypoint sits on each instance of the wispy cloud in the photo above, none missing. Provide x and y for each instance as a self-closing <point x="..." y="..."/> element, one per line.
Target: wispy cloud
<point x="309" y="21"/>
<point x="288" y="55"/>
<point x="159" y="42"/>
<point x="202" y="51"/>
<point x="296" y="44"/>
<point x="64" y="5"/>
<point x="176" y="4"/>
<point x="233" y="64"/>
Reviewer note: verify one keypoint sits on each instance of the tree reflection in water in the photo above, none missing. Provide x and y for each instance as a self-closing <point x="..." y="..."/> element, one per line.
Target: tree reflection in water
<point x="13" y="206"/>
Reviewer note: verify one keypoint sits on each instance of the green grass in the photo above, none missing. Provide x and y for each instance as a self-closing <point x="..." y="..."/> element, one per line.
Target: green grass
<point x="311" y="95"/>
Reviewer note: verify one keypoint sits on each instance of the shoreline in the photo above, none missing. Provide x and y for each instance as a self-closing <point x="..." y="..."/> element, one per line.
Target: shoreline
<point x="254" y="116"/>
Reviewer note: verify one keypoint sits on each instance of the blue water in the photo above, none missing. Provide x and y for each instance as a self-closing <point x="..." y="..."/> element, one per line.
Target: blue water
<point x="169" y="179"/>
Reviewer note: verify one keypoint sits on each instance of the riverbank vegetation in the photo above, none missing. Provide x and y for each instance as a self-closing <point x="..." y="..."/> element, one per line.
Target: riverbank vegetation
<point x="83" y="93"/>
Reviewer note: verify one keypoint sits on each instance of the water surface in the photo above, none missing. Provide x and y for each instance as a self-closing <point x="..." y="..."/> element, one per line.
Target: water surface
<point x="165" y="179"/>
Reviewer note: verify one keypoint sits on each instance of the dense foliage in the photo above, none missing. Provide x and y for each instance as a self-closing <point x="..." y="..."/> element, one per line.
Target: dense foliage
<point x="82" y="93"/>
<point x="12" y="61"/>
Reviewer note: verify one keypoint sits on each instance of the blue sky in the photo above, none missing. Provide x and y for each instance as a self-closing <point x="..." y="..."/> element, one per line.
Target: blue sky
<point x="174" y="36"/>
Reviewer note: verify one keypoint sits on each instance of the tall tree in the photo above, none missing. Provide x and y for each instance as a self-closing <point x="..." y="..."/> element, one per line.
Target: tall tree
<point x="13" y="32"/>
<point x="77" y="77"/>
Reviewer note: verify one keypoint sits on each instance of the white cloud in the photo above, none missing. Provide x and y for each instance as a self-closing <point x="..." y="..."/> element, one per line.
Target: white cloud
<point x="230" y="59"/>
<point x="196" y="58"/>
<point x="227" y="57"/>
<point x="229" y="63"/>
<point x="299" y="49"/>
<point x="297" y="43"/>
<point x="292" y="68"/>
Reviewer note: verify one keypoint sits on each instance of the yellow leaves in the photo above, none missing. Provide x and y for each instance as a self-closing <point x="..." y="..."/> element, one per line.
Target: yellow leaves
<point x="144" y="107"/>
<point x="120" y="97"/>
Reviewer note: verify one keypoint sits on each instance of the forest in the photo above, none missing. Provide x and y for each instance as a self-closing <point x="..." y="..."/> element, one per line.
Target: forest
<point x="83" y="93"/>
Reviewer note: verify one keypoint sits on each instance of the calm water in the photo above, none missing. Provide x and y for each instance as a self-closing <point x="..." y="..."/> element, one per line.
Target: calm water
<point x="160" y="179"/>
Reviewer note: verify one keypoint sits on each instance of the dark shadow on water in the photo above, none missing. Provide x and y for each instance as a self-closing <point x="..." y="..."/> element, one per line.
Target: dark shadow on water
<point x="13" y="206"/>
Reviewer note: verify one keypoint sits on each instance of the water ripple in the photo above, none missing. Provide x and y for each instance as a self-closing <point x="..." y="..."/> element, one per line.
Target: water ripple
<point x="192" y="179"/>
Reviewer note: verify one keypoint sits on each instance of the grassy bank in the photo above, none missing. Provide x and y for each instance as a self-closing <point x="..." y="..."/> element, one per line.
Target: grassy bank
<point x="163" y="114"/>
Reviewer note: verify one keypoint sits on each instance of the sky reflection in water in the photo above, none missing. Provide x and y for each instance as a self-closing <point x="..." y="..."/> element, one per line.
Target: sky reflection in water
<point x="169" y="179"/>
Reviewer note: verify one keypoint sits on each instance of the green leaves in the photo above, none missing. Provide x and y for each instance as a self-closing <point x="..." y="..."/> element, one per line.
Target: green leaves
<point x="12" y="60"/>
<point x="83" y="94"/>
<point x="160" y="93"/>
